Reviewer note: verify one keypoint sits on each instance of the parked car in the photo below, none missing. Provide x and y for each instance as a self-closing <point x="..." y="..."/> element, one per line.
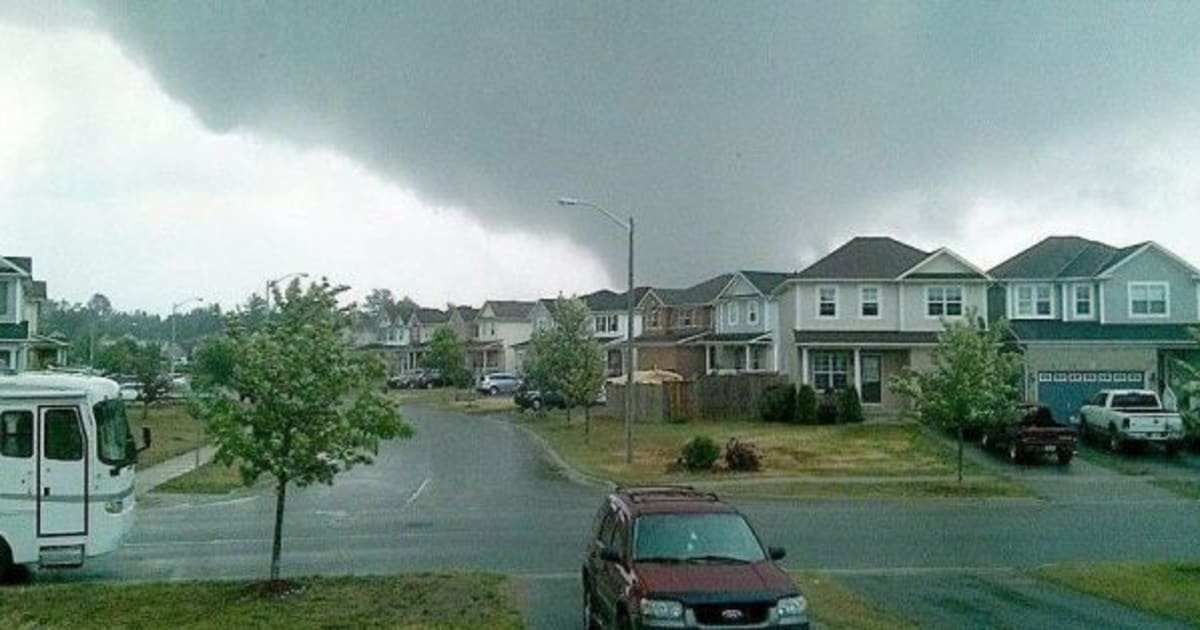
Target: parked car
<point x="429" y="379"/>
<point x="1131" y="416"/>
<point x="536" y="399"/>
<point x="673" y="557"/>
<point x="407" y="379"/>
<point x="129" y="391"/>
<point x="498" y="383"/>
<point x="1037" y="433"/>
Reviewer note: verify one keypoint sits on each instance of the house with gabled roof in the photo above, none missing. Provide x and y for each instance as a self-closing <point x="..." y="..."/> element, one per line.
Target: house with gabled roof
<point x="745" y="330"/>
<point x="422" y="323"/>
<point x="22" y="346"/>
<point x="672" y="321"/>
<point x="610" y="312"/>
<point x="1091" y="316"/>
<point x="870" y="309"/>
<point x="503" y="325"/>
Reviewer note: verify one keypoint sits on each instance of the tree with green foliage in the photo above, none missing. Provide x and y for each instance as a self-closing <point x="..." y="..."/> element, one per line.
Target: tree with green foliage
<point x="1187" y="384"/>
<point x="567" y="359"/>
<point x="974" y="381"/>
<point x="310" y="406"/>
<point x="150" y="372"/>
<point x="447" y="354"/>
<point x="212" y="365"/>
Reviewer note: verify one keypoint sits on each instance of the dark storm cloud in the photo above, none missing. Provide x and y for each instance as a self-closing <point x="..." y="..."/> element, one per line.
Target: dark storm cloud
<point x="738" y="133"/>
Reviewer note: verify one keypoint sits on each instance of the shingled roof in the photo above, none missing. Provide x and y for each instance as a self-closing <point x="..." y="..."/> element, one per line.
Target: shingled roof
<point x="1063" y="257"/>
<point x="766" y="281"/>
<point x="432" y="316"/>
<point x="24" y="263"/>
<point x="702" y="293"/>
<point x="865" y="258"/>
<point x="510" y="309"/>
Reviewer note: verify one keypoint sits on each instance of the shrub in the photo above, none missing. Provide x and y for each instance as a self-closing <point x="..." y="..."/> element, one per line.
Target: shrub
<point x="778" y="403"/>
<point x="850" y="406"/>
<point x="700" y="453"/>
<point x="742" y="456"/>
<point x="806" y="405"/>
<point x="827" y="409"/>
<point x="677" y="419"/>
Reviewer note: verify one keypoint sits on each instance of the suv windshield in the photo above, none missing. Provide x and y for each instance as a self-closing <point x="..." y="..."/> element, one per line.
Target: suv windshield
<point x="695" y="537"/>
<point x="114" y="441"/>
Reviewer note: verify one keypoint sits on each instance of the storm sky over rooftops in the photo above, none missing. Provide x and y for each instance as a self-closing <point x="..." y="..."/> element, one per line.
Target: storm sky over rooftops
<point x="201" y="148"/>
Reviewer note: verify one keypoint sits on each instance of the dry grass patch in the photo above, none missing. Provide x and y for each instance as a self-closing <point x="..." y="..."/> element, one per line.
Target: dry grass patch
<point x="174" y="430"/>
<point x="1170" y="589"/>
<point x="950" y="489"/>
<point x="211" y="478"/>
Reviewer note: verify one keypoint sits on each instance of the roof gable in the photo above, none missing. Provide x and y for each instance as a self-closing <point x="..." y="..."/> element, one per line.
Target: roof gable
<point x="703" y="293"/>
<point x="507" y="309"/>
<point x="863" y="258"/>
<point x="944" y="263"/>
<point x="1133" y="252"/>
<point x="18" y="264"/>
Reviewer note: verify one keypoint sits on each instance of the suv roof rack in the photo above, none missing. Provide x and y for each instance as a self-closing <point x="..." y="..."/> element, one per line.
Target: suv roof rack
<point x="641" y="494"/>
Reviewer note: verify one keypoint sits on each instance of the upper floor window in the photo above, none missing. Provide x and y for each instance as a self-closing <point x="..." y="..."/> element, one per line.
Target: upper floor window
<point x="752" y="312"/>
<point x="827" y="299"/>
<point x="4" y="292"/>
<point x="687" y="317"/>
<point x="653" y="320"/>
<point x="1035" y="300"/>
<point x="1082" y="299"/>
<point x="944" y="301"/>
<point x="606" y="323"/>
<point x="868" y="302"/>
<point x="732" y="312"/>
<point x="1148" y="299"/>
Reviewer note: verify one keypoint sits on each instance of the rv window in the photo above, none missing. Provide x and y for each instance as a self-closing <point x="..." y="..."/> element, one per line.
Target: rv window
<point x="114" y="441"/>
<point x="62" y="437"/>
<point x="16" y="434"/>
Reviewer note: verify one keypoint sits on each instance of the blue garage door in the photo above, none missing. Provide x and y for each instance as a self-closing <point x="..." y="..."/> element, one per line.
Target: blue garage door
<point x="1065" y="392"/>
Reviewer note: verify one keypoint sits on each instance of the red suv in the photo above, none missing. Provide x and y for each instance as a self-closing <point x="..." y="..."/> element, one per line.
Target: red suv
<point x="673" y="557"/>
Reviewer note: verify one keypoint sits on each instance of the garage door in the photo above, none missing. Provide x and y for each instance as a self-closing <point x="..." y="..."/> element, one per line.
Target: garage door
<point x="1064" y="392"/>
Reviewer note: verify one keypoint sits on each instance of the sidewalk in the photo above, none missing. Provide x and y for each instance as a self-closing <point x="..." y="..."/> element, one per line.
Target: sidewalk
<point x="159" y="474"/>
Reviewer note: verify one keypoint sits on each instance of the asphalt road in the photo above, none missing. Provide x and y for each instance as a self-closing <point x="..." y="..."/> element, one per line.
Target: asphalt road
<point x="474" y="493"/>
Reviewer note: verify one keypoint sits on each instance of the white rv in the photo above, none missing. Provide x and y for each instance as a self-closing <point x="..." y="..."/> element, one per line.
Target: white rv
<point x="66" y="469"/>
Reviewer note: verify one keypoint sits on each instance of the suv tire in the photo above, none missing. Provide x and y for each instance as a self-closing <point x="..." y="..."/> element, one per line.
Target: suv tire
<point x="6" y="563"/>
<point x="493" y="390"/>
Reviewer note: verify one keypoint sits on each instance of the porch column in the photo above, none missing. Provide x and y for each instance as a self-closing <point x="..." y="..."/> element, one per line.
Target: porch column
<point x="858" y="370"/>
<point x="708" y="359"/>
<point x="804" y="366"/>
<point x="747" y="369"/>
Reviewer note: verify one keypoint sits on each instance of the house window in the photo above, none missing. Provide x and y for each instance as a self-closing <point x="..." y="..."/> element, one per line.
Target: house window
<point x="4" y="292"/>
<point x="830" y="370"/>
<point x="606" y="323"/>
<point x="687" y="317"/>
<point x="944" y="301"/>
<point x="1148" y="299"/>
<point x="732" y="312"/>
<point x="542" y="323"/>
<point x="1035" y="300"/>
<point x="1083" y="300"/>
<point x="751" y="312"/>
<point x="653" y="319"/>
<point x="868" y="302"/>
<point x="827" y="302"/>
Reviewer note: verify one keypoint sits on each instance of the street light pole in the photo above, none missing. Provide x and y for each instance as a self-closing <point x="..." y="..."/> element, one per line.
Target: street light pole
<point x="271" y="284"/>
<point x="629" y="360"/>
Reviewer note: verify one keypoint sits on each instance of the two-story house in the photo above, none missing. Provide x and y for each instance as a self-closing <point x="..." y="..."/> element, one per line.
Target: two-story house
<point x="610" y="321"/>
<point x="422" y="323"/>
<point x="1090" y="316"/>
<point x="745" y="334"/>
<point x="872" y="308"/>
<point x="22" y="346"/>
<point x="672" y="321"/>
<point x="505" y="324"/>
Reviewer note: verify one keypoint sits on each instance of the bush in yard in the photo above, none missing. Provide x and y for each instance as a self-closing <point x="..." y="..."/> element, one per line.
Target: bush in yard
<point x="778" y="403"/>
<point x="700" y="453"/>
<point x="850" y="406"/>
<point x="806" y="405"/>
<point x="827" y="409"/>
<point x="742" y="456"/>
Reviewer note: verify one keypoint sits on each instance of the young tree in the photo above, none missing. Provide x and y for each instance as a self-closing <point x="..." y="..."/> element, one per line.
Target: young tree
<point x="1187" y="378"/>
<point x="212" y="365"/>
<point x="310" y="407"/>
<point x="149" y="368"/>
<point x="448" y="355"/>
<point x="566" y="358"/>
<point x="973" y="382"/>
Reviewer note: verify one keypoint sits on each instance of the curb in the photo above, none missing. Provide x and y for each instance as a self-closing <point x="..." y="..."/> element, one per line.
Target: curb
<point x="570" y="472"/>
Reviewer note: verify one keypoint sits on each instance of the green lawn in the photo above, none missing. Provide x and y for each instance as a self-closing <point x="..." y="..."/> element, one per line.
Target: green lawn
<point x="863" y="450"/>
<point x="786" y="490"/>
<point x="1169" y="589"/>
<point x="1188" y="489"/>
<point x="426" y="601"/>
<point x="174" y="431"/>
<point x="835" y="605"/>
<point x="211" y="478"/>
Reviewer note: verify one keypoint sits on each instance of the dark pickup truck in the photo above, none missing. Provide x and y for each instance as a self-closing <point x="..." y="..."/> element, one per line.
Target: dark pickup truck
<point x="1034" y="435"/>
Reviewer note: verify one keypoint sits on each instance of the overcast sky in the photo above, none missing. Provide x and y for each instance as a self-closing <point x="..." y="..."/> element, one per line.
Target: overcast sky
<point x="154" y="153"/>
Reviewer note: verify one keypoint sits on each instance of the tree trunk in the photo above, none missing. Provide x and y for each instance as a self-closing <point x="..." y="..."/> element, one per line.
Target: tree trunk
<point x="145" y="410"/>
<point x="960" y="451"/>
<point x="568" y="413"/>
<point x="277" y="542"/>
<point x="587" y="423"/>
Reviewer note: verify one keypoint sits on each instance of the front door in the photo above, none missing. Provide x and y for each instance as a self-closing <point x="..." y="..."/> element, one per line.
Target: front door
<point x="872" y="385"/>
<point x="62" y="473"/>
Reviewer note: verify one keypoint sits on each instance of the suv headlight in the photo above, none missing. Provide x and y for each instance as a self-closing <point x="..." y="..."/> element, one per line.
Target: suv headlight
<point x="791" y="606"/>
<point x="662" y="609"/>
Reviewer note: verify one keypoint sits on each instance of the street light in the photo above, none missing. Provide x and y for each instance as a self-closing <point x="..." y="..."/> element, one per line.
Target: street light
<point x="628" y="226"/>
<point x="174" y="310"/>
<point x="286" y="276"/>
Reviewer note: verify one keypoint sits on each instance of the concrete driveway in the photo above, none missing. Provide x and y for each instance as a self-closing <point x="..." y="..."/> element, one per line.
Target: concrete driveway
<point x="475" y="493"/>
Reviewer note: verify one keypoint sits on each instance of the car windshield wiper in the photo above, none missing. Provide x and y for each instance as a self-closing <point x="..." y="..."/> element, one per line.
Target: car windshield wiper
<point x="718" y="558"/>
<point x="661" y="559"/>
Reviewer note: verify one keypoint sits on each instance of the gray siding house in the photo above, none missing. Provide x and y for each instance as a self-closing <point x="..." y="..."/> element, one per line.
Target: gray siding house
<point x="745" y="325"/>
<point x="1091" y="316"/>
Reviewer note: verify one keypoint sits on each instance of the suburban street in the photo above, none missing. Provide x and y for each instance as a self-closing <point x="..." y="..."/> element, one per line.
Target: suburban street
<point x="475" y="493"/>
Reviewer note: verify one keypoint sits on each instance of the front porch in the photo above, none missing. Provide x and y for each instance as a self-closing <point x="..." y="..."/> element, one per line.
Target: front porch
<point x="738" y="354"/>
<point x="485" y="357"/>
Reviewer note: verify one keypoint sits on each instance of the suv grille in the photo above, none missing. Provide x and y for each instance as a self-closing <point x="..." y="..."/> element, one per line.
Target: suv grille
<point x="731" y="614"/>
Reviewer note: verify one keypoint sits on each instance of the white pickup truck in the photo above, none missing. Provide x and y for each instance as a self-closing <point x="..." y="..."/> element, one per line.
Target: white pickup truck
<point x="1128" y="416"/>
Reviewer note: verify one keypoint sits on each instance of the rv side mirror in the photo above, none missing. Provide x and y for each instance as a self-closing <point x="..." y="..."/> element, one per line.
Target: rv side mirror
<point x="146" y="441"/>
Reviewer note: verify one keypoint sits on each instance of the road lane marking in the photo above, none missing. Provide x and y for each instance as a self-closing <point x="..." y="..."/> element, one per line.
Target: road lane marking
<point x="419" y="490"/>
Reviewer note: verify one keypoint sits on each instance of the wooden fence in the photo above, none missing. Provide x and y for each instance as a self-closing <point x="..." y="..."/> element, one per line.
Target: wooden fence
<point x="711" y="397"/>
